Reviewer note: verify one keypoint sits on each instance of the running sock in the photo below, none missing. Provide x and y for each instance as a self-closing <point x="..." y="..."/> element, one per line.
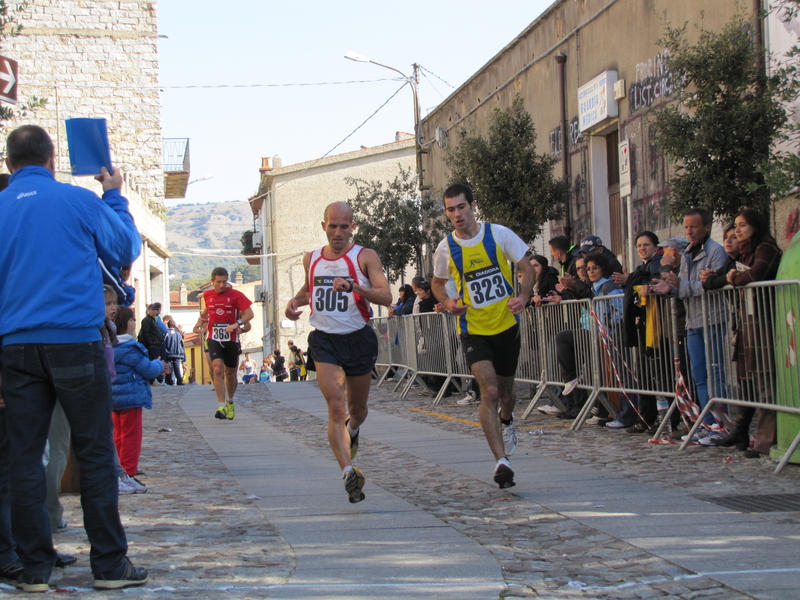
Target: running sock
<point x="346" y="470"/>
<point x="504" y="461"/>
<point x="506" y="421"/>
<point x="352" y="432"/>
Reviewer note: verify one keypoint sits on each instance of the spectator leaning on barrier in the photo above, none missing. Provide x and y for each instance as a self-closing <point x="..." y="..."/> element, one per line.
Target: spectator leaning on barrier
<point x="545" y="278"/>
<point x="714" y="280"/>
<point x="702" y="253"/>
<point x="642" y="327"/>
<point x="760" y="256"/>
<point x="415" y="288"/>
<point x="52" y="349"/>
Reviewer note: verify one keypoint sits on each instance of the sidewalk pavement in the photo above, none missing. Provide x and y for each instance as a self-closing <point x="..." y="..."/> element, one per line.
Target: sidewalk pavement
<point x="255" y="508"/>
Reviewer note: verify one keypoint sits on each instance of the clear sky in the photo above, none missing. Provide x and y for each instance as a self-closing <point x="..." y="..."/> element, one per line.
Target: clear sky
<point x="248" y="42"/>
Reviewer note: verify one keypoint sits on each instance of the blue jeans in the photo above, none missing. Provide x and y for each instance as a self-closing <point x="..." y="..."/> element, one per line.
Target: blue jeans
<point x="8" y="546"/>
<point x="34" y="375"/>
<point x="696" y="340"/>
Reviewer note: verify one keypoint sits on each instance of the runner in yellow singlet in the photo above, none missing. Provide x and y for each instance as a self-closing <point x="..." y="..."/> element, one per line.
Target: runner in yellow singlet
<point x="477" y="257"/>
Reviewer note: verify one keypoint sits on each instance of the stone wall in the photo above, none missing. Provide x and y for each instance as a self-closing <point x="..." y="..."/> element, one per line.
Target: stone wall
<point x="96" y="58"/>
<point x="300" y="195"/>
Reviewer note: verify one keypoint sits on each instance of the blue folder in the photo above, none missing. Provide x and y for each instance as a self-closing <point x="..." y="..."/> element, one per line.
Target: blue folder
<point x="88" y="146"/>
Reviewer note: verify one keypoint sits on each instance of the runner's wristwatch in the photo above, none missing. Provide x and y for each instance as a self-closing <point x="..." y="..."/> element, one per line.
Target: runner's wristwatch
<point x="241" y="323"/>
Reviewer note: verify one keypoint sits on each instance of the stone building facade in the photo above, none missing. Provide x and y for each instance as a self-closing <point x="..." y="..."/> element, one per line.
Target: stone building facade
<point x="612" y="44"/>
<point x="99" y="58"/>
<point x="288" y="209"/>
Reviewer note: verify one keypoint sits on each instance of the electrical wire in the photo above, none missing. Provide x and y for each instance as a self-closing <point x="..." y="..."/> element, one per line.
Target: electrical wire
<point x="348" y="136"/>
<point x="267" y="85"/>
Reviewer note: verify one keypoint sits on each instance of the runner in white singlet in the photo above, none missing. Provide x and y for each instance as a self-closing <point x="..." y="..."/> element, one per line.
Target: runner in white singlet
<point x="341" y="280"/>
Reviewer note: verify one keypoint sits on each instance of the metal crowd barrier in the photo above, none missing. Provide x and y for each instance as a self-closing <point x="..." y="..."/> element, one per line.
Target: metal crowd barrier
<point x="760" y="317"/>
<point x="752" y="350"/>
<point x="550" y="323"/>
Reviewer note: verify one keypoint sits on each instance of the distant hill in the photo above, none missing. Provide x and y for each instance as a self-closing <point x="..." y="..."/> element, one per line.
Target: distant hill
<point x="214" y="228"/>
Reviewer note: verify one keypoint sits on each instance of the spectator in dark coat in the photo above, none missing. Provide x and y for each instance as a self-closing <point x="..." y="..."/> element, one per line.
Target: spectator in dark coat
<point x="755" y="364"/>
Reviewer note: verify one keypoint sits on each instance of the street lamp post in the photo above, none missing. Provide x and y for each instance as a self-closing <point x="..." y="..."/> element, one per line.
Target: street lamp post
<point x="414" y="83"/>
<point x="203" y="178"/>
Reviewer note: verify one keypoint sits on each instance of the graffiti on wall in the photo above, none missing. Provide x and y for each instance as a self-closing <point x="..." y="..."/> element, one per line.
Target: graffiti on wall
<point x="792" y="223"/>
<point x="649" y="213"/>
<point x="572" y="137"/>
<point x="653" y="80"/>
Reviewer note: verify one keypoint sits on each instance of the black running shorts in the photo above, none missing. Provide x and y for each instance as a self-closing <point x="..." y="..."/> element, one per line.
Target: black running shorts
<point x="228" y="351"/>
<point x="355" y="352"/>
<point x="501" y="349"/>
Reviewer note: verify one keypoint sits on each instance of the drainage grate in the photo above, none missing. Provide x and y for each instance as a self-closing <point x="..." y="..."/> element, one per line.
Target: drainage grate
<point x="757" y="503"/>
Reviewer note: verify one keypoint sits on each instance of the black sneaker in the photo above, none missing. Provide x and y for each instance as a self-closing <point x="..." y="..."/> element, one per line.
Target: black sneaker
<point x="65" y="560"/>
<point x="30" y="583"/>
<point x="353" y="441"/>
<point x="354" y="481"/>
<point x="503" y="475"/>
<point x="638" y="428"/>
<point x="126" y="575"/>
<point x="12" y="571"/>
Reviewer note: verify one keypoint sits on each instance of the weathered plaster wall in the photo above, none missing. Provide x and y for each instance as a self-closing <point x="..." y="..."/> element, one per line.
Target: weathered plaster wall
<point x="300" y="199"/>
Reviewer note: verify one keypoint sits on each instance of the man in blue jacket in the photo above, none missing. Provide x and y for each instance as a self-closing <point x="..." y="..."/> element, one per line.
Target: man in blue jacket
<point x="51" y="310"/>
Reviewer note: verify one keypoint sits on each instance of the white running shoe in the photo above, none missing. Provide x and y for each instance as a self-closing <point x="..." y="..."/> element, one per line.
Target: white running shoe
<point x="570" y="387"/>
<point x="503" y="474"/>
<point x="510" y="438"/>
<point x="124" y="488"/>
<point x="468" y="399"/>
<point x="548" y="409"/>
<point x="137" y="486"/>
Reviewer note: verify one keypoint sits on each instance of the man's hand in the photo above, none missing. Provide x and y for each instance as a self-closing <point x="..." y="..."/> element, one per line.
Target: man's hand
<point x="705" y="274"/>
<point x="340" y="284"/>
<point x="568" y="281"/>
<point x="232" y="327"/>
<point x="662" y="287"/>
<point x="670" y="278"/>
<point x="620" y="278"/>
<point x="292" y="311"/>
<point x="455" y="308"/>
<point x="517" y="305"/>
<point x="108" y="180"/>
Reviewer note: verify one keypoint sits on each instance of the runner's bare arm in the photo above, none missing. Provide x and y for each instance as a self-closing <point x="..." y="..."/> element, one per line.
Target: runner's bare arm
<point x="370" y="264"/>
<point x="450" y="304"/>
<point x="292" y="311"/>
<point x="201" y="325"/>
<point x="517" y="305"/>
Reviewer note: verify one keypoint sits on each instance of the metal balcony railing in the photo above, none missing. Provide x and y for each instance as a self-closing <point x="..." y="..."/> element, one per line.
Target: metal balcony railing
<point x="176" y="154"/>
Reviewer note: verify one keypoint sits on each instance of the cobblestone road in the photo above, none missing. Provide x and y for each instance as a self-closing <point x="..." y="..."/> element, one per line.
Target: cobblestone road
<point x="201" y="537"/>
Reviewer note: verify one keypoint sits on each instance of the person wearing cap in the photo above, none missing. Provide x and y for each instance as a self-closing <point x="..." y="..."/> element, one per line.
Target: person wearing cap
<point x="591" y="244"/>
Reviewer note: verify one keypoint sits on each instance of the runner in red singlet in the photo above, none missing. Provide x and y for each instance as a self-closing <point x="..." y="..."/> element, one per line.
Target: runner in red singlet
<point x="224" y="312"/>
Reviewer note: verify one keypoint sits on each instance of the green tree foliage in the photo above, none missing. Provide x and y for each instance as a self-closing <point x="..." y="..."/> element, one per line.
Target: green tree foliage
<point x="728" y="114"/>
<point x="194" y="271"/>
<point x="513" y="185"/>
<point x="394" y="221"/>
